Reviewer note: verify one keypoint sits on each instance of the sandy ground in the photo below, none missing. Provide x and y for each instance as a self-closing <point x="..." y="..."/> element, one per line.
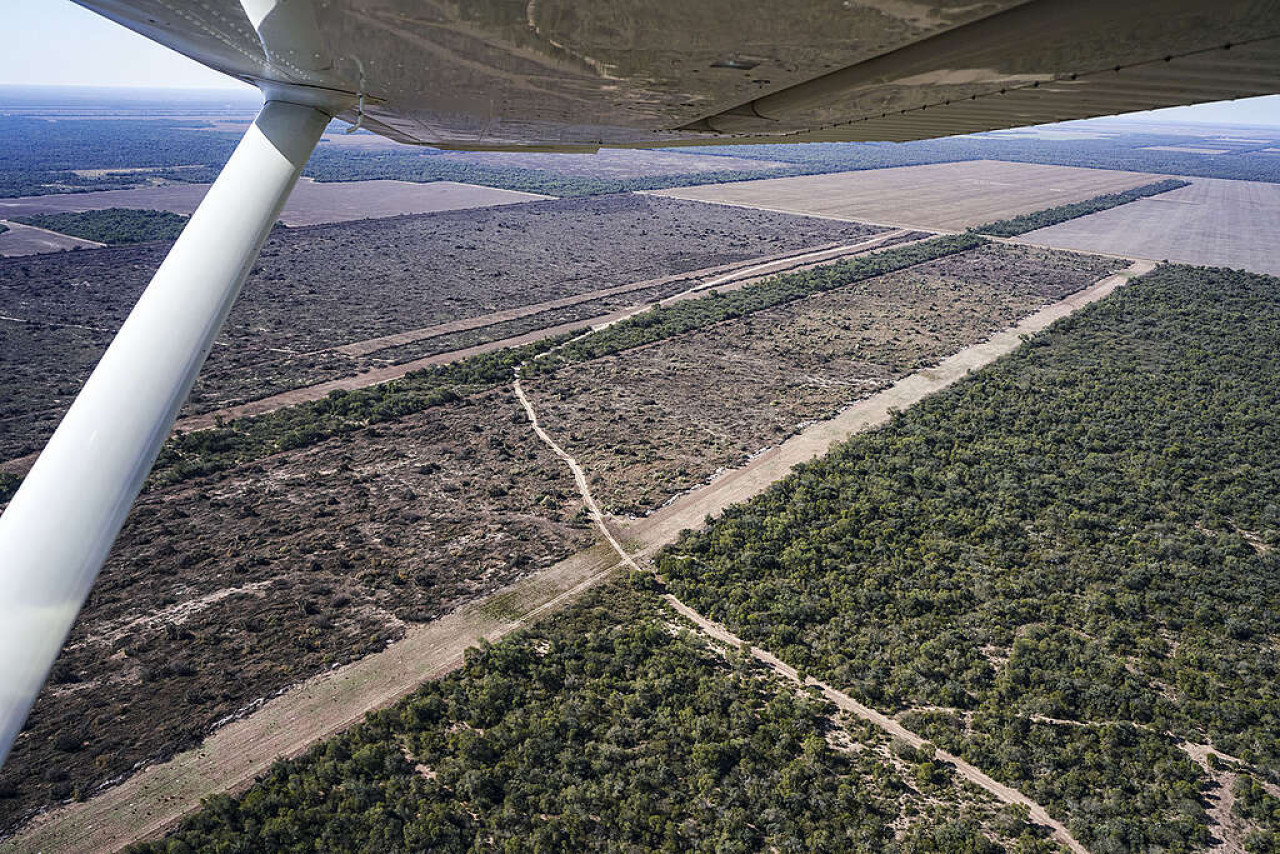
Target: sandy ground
<point x="152" y="800"/>
<point x="29" y="240"/>
<point x="941" y="196"/>
<point x="311" y="203"/>
<point x="1213" y="221"/>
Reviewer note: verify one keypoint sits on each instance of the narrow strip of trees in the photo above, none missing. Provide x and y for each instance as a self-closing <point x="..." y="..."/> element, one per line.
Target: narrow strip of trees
<point x="1052" y="216"/>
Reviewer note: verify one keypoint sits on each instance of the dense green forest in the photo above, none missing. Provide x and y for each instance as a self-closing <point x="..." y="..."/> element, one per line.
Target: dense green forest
<point x="1052" y="216"/>
<point x="37" y="156"/>
<point x="1070" y="555"/>
<point x="417" y="165"/>
<point x="115" y="226"/>
<point x="609" y="728"/>
<point x="244" y="439"/>
<point x="1262" y="810"/>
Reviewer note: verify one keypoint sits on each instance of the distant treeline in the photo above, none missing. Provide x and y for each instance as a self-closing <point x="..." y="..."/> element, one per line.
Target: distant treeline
<point x="1052" y="216"/>
<point x="1131" y="152"/>
<point x="419" y="166"/>
<point x="37" y="156"/>
<point x="114" y="226"/>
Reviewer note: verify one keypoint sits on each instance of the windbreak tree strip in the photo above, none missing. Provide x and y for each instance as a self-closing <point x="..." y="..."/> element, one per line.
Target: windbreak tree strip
<point x="1052" y="216"/>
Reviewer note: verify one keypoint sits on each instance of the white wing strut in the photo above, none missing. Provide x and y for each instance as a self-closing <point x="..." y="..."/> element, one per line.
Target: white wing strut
<point x="57" y="531"/>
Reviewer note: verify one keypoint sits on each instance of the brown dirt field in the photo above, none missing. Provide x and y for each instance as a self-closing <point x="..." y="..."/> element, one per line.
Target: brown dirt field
<point x="947" y="196"/>
<point x="1213" y="222"/>
<point x="148" y="802"/>
<point x="22" y="239"/>
<point x="311" y="203"/>
<point x="231" y="588"/>
<point x="651" y="422"/>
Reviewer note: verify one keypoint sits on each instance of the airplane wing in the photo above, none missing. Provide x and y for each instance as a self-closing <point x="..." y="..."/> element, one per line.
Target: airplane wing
<point x="565" y="74"/>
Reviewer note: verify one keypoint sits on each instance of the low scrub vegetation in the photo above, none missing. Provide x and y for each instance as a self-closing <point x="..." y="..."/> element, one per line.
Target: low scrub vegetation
<point x="113" y="226"/>
<point x="682" y="317"/>
<point x="1070" y="557"/>
<point x="607" y="729"/>
<point x="1052" y="216"/>
<point x="305" y="424"/>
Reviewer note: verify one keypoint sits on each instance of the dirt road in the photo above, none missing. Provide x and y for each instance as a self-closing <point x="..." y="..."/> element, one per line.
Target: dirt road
<point x="152" y="800"/>
<point x="1001" y="792"/>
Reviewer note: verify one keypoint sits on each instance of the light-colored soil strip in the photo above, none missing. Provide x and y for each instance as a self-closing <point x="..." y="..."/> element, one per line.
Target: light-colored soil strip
<point x="152" y="800"/>
<point x="1000" y="791"/>
<point x="372" y="345"/>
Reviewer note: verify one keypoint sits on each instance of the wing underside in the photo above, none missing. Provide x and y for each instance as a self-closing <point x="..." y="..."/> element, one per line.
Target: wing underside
<point x="560" y="74"/>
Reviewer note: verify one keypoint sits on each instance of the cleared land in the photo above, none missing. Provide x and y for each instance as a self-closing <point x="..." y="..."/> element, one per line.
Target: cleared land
<point x="151" y="800"/>
<point x="310" y="203"/>
<point x="651" y="422"/>
<point x="227" y="590"/>
<point x="19" y="240"/>
<point x="1212" y="222"/>
<point x="318" y="288"/>
<point x="948" y="196"/>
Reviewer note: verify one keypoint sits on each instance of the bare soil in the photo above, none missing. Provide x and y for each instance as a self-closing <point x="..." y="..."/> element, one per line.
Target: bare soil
<point x="940" y="196"/>
<point x="652" y="422"/>
<point x="310" y="203"/>
<point x="1212" y="222"/>
<point x="21" y="239"/>
<point x="224" y="591"/>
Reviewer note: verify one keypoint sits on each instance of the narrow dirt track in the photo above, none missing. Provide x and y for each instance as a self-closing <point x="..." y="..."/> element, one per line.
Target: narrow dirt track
<point x="1000" y="791"/>
<point x="1005" y="794"/>
<point x="155" y="798"/>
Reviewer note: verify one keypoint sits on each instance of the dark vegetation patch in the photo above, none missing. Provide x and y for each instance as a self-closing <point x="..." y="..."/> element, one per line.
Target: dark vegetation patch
<point x="113" y="226"/>
<point x="605" y="729"/>
<point x="1086" y="531"/>
<point x="37" y="156"/>
<point x="656" y="420"/>
<point x="1052" y="216"/>
<point x="338" y="165"/>
<point x="1262" y="810"/>
<point x="226" y="590"/>
<point x="317" y="287"/>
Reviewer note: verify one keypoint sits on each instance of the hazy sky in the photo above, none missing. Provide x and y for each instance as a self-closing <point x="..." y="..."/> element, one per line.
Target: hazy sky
<point x="55" y="42"/>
